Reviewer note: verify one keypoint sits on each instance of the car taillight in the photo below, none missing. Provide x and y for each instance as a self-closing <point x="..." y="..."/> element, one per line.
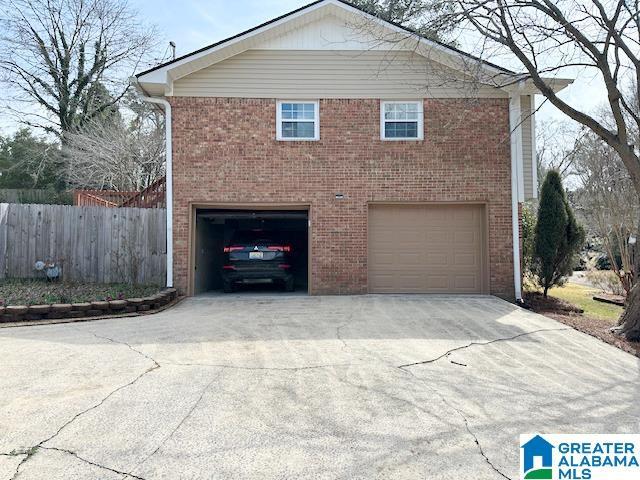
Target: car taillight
<point x="279" y="248"/>
<point x="228" y="267"/>
<point x="232" y="249"/>
<point x="284" y="266"/>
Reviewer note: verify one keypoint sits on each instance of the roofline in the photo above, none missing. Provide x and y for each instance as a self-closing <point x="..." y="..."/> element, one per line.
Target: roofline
<point x="309" y="5"/>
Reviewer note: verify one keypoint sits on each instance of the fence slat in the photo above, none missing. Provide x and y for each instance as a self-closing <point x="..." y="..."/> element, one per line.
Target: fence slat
<point x="4" y="212"/>
<point x="93" y="244"/>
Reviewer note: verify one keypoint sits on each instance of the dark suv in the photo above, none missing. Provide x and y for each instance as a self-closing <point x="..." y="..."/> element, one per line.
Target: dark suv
<point x="257" y="258"/>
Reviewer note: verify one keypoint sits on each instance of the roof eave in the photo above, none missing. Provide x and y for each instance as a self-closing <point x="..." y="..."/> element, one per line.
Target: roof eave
<point x="523" y="84"/>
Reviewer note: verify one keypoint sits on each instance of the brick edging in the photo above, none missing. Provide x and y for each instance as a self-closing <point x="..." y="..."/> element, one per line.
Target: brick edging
<point x="81" y="312"/>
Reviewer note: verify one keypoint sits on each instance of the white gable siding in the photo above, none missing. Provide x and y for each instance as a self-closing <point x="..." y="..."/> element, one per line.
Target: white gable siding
<point x="528" y="155"/>
<point x="307" y="74"/>
<point x="333" y="33"/>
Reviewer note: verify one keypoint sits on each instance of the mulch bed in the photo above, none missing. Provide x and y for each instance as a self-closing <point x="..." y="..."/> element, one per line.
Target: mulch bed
<point x="572" y="316"/>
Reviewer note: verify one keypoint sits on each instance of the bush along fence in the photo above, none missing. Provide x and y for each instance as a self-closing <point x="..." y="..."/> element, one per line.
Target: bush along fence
<point x="23" y="313"/>
<point x="87" y="244"/>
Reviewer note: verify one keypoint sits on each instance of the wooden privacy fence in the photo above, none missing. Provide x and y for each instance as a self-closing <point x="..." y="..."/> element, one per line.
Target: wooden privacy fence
<point x="91" y="244"/>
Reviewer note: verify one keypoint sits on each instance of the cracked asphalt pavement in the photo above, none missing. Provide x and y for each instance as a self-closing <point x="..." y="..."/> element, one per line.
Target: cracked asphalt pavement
<point x="273" y="387"/>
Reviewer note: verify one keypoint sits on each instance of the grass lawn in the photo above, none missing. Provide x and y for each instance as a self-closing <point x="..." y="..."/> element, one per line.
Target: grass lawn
<point x="582" y="297"/>
<point x="42" y="292"/>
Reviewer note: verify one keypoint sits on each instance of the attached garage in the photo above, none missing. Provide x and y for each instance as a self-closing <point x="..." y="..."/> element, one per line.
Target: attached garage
<point x="217" y="230"/>
<point x="433" y="248"/>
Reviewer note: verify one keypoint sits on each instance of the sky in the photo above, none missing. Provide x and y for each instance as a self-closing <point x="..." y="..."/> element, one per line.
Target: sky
<point x="192" y="24"/>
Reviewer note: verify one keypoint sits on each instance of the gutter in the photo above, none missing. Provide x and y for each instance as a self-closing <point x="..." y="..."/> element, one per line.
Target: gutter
<point x="168" y="171"/>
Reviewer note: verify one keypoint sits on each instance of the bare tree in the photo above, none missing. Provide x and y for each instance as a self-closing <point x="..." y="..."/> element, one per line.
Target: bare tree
<point x="607" y="199"/>
<point x="554" y="142"/>
<point x="547" y="37"/>
<point x="116" y="153"/>
<point x="61" y="55"/>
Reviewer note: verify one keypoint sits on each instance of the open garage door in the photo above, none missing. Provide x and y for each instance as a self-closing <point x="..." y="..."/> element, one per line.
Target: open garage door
<point x="250" y="250"/>
<point x="427" y="249"/>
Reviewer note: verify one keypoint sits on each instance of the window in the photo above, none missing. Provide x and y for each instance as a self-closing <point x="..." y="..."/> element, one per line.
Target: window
<point x="297" y="121"/>
<point x="401" y="121"/>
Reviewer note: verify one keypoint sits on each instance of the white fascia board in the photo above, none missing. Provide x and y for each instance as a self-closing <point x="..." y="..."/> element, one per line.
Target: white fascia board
<point x="157" y="76"/>
<point x="525" y="85"/>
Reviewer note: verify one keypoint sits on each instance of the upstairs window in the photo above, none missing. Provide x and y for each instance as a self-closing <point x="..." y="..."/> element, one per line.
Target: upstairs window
<point x="401" y="121"/>
<point x="298" y="121"/>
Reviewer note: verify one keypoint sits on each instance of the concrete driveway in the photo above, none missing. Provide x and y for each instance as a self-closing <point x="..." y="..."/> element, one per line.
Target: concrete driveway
<point x="266" y="387"/>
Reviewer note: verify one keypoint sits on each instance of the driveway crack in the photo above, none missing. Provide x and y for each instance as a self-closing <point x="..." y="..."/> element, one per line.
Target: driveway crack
<point x="89" y="462"/>
<point x="15" y="453"/>
<point x="465" y="421"/>
<point x="99" y="404"/>
<point x="477" y="442"/>
<point x="34" y="449"/>
<point x="339" y="335"/>
<point x="472" y="344"/>
<point x="119" y="342"/>
<point x="177" y="427"/>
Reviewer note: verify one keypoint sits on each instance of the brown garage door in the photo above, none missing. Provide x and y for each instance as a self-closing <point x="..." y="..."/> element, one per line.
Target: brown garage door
<point x="427" y="249"/>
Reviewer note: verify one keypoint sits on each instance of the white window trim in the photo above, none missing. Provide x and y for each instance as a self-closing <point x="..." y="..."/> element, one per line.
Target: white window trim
<point x="420" y="136"/>
<point x="316" y="121"/>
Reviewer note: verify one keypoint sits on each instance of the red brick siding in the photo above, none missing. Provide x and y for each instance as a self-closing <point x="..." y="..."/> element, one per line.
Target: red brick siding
<point x="225" y="151"/>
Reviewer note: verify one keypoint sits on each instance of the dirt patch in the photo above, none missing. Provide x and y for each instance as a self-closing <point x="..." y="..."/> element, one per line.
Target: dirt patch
<point x="572" y="316"/>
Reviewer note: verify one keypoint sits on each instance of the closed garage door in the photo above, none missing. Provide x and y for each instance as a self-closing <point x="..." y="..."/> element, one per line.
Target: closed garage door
<point x="427" y="249"/>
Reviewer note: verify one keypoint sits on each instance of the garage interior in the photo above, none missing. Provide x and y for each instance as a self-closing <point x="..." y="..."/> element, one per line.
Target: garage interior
<point x="217" y="228"/>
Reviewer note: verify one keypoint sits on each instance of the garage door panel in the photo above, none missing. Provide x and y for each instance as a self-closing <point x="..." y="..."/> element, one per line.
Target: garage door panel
<point x="426" y="249"/>
<point x="410" y="281"/>
<point x="437" y="282"/>
<point x="469" y="238"/>
<point x="381" y="281"/>
<point x="408" y="259"/>
<point x="464" y="215"/>
<point x="463" y="282"/>
<point x="437" y="259"/>
<point x="466" y="260"/>
<point x="435" y="237"/>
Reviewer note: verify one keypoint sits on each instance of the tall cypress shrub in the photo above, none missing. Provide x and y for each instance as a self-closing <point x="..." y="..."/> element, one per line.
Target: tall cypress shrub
<point x="558" y="237"/>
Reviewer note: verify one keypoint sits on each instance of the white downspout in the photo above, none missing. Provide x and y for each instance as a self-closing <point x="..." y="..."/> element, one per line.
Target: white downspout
<point x="168" y="175"/>
<point x="515" y="115"/>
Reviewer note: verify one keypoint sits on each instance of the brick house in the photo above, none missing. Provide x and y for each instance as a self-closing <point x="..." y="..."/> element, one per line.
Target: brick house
<point x="394" y="164"/>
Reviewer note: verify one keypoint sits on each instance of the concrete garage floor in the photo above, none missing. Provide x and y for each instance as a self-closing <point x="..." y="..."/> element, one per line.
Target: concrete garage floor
<point x="265" y="387"/>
